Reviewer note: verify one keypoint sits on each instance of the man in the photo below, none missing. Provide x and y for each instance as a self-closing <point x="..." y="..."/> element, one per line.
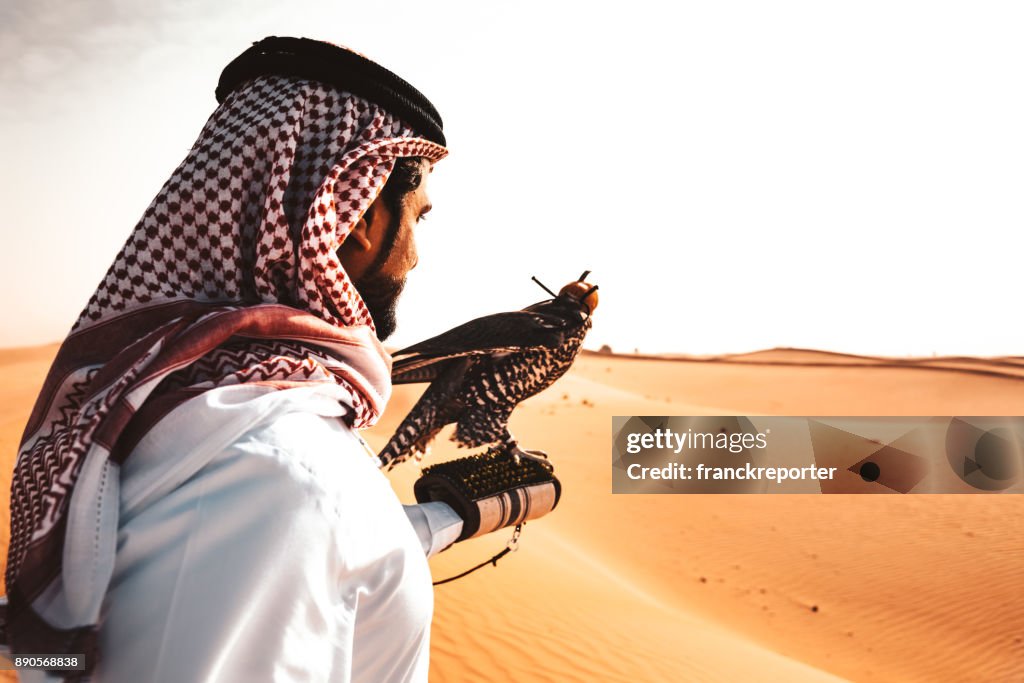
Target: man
<point x="192" y="501"/>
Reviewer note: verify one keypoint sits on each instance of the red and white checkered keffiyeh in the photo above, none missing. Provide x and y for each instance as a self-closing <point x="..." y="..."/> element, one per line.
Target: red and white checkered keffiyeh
<point x="230" y="277"/>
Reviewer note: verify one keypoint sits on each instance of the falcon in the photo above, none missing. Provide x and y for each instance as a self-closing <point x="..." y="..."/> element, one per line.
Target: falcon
<point x="481" y="370"/>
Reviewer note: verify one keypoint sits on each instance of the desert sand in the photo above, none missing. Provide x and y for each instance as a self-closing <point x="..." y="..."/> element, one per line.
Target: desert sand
<point x="718" y="588"/>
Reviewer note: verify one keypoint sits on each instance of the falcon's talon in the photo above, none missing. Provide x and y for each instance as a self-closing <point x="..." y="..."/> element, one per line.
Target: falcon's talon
<point x="538" y="456"/>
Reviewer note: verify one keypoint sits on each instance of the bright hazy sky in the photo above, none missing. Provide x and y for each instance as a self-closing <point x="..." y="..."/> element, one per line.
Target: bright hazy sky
<point x="737" y="175"/>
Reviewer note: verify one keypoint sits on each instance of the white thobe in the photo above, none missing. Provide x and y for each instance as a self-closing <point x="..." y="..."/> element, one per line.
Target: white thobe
<point x="258" y="541"/>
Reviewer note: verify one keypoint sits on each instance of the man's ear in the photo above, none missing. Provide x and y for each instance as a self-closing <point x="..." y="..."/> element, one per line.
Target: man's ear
<point x="361" y="230"/>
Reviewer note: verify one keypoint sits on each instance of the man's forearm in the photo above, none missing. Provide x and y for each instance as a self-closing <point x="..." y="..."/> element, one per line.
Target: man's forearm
<point x="436" y="524"/>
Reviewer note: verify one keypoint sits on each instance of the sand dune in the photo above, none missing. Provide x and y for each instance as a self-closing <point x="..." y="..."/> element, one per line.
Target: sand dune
<point x="720" y="588"/>
<point x="863" y="588"/>
<point x="1011" y="367"/>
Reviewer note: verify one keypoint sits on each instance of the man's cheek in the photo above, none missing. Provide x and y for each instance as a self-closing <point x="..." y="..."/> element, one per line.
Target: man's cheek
<point x="414" y="257"/>
<point x="406" y="251"/>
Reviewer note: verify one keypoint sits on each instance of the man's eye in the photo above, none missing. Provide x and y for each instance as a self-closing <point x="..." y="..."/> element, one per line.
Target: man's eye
<point x="421" y="217"/>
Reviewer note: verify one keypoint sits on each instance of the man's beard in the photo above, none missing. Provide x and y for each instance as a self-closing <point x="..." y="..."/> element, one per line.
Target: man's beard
<point x="380" y="294"/>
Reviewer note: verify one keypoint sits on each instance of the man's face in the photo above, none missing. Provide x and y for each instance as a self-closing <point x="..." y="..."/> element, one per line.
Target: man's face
<point x="382" y="250"/>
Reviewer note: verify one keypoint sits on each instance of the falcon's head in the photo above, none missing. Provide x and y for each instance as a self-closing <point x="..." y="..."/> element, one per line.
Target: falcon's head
<point x="581" y="293"/>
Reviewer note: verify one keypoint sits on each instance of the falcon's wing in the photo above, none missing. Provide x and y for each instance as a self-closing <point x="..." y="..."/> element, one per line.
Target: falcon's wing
<point x="498" y="333"/>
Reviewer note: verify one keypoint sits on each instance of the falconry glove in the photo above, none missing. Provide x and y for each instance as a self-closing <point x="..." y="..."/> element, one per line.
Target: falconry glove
<point x="490" y="490"/>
